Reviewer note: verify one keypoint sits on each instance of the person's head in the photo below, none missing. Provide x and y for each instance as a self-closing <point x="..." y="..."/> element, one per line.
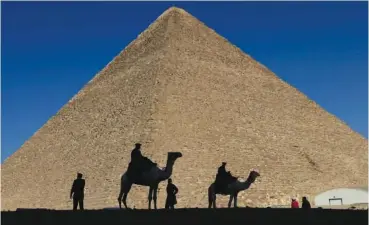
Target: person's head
<point x="293" y="199"/>
<point x="79" y="175"/>
<point x="224" y="163"/>
<point x="304" y="198"/>
<point x="137" y="145"/>
<point x="169" y="180"/>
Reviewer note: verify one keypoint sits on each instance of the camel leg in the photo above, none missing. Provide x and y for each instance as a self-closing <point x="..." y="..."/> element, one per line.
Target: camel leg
<point x="126" y="191"/>
<point x="125" y="200"/>
<point x="155" y="196"/>
<point x="230" y="200"/>
<point x="120" y="193"/>
<point x="210" y="202"/>
<point x="210" y="196"/>
<point x="214" y="201"/>
<point x="150" y="196"/>
<point x="235" y="200"/>
<point x="120" y="198"/>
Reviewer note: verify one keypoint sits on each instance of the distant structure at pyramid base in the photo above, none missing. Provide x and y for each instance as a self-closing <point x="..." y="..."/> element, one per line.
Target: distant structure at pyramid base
<point x="181" y="87"/>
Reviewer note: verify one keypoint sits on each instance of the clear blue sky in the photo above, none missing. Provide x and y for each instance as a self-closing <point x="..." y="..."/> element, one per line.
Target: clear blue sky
<point x="50" y="50"/>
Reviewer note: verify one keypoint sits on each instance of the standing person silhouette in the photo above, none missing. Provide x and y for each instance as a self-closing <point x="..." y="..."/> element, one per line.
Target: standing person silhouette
<point x="305" y="203"/>
<point x="77" y="192"/>
<point x="172" y="190"/>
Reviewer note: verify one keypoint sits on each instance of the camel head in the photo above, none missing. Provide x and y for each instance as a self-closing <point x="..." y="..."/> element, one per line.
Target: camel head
<point x="173" y="156"/>
<point x="253" y="175"/>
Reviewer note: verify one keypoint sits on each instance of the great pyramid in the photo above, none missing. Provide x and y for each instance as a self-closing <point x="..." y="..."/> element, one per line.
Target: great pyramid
<point x="182" y="87"/>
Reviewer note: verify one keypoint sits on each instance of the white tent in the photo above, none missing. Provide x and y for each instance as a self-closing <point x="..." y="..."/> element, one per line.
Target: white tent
<point x="342" y="196"/>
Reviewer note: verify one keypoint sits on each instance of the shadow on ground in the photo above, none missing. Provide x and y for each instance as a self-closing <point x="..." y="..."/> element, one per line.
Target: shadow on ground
<point x="249" y="216"/>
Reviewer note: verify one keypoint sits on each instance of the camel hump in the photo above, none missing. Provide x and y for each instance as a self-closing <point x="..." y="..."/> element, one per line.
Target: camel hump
<point x="233" y="179"/>
<point x="229" y="178"/>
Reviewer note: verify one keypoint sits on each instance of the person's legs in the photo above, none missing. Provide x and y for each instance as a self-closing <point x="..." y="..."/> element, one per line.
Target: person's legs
<point x="75" y="202"/>
<point x="81" y="204"/>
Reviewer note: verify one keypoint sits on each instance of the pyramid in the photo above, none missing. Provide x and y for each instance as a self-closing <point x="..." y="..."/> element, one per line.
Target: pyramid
<point x="182" y="87"/>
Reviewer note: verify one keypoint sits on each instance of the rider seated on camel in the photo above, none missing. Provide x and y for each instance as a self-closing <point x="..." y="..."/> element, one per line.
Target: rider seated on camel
<point x="223" y="177"/>
<point x="222" y="170"/>
<point x="139" y="163"/>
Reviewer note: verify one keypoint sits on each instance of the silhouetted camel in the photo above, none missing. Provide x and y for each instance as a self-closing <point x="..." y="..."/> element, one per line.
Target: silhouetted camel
<point x="151" y="179"/>
<point x="232" y="189"/>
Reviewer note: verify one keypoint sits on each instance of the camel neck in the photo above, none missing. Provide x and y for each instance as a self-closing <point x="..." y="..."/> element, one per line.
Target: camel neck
<point x="169" y="165"/>
<point x="248" y="182"/>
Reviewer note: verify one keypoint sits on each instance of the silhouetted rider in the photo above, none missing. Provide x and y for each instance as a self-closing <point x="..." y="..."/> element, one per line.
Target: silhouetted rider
<point x="77" y="192"/>
<point x="136" y="153"/>
<point x="139" y="163"/>
<point x="222" y="170"/>
<point x="221" y="177"/>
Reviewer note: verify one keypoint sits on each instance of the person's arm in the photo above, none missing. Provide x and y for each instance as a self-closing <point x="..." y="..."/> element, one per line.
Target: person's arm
<point x="175" y="189"/>
<point x="72" y="189"/>
<point x="83" y="184"/>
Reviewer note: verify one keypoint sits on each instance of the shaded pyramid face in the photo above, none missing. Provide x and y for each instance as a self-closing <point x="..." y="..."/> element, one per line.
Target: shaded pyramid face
<point x="181" y="87"/>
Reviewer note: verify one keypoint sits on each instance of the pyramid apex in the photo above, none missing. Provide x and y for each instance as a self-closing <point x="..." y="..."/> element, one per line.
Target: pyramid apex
<point x="174" y="10"/>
